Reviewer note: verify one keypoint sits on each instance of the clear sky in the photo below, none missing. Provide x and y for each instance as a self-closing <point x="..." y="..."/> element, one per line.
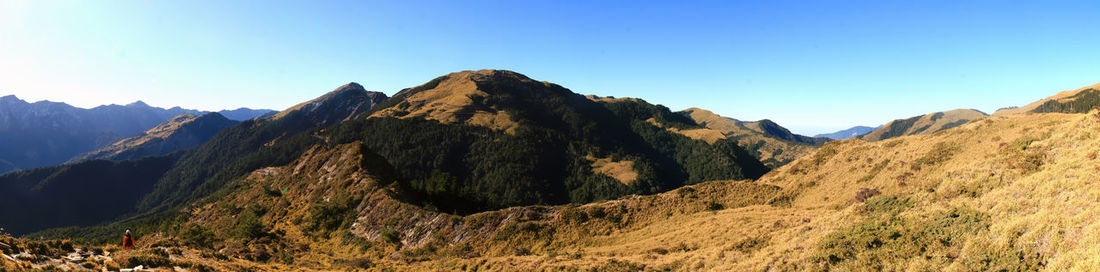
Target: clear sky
<point x="812" y="66"/>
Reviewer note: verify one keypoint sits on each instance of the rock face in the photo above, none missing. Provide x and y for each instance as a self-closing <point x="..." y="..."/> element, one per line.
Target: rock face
<point x="924" y="124"/>
<point x="47" y="133"/>
<point x="181" y="132"/>
<point x="853" y="132"/>
<point x="772" y="143"/>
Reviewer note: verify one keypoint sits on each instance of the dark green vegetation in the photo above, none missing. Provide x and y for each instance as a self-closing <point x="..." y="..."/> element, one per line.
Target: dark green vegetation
<point x="462" y="168"/>
<point x="455" y="168"/>
<point x="1079" y="103"/>
<point x="90" y="192"/>
<point x="775" y="130"/>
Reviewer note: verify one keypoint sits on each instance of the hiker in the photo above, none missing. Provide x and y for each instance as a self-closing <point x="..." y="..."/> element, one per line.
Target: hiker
<point x="128" y="241"/>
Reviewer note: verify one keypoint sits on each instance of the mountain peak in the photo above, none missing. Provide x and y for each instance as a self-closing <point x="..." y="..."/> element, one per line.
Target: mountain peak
<point x="138" y="103"/>
<point x="10" y="98"/>
<point x="351" y="86"/>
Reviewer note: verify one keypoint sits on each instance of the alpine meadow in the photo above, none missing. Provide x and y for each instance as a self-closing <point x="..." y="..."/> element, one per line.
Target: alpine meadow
<point x="549" y="136"/>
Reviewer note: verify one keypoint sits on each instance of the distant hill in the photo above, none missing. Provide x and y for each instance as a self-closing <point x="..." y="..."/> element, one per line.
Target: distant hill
<point x="1073" y="101"/>
<point x="242" y="114"/>
<point x="772" y="143"/>
<point x="852" y="132"/>
<point x="924" y="124"/>
<point x="181" y="132"/>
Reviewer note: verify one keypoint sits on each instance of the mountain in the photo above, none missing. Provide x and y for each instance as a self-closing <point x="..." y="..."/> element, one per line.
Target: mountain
<point x="181" y="132"/>
<point x="924" y="124"/>
<point x="1011" y="193"/>
<point x="773" y="144"/>
<point x="241" y="114"/>
<point x="47" y="133"/>
<point x="479" y="140"/>
<point x="1073" y="101"/>
<point x="852" y="132"/>
<point x="989" y="195"/>
<point x="556" y="147"/>
<point x="98" y="191"/>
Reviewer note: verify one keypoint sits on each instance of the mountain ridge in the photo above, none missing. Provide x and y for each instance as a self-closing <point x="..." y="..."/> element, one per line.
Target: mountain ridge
<point x="181" y="132"/>
<point x="924" y="124"/>
<point x="848" y="133"/>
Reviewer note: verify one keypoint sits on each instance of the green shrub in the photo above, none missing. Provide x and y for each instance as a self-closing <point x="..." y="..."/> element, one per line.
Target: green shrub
<point x="390" y="235"/>
<point x="249" y="226"/>
<point x="198" y="236"/>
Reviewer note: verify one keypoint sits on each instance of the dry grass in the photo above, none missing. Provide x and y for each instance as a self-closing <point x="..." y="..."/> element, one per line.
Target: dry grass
<point x="1014" y="193"/>
<point x="452" y="101"/>
<point x="622" y="170"/>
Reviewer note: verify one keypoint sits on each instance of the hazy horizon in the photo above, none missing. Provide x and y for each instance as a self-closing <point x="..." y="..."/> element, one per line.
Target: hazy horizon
<point x="811" y="67"/>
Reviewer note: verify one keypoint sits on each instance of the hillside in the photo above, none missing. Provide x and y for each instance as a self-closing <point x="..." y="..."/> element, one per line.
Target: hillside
<point x="1080" y="100"/>
<point x="849" y="133"/>
<point x="181" y="132"/>
<point x="924" y="124"/>
<point x="772" y="144"/>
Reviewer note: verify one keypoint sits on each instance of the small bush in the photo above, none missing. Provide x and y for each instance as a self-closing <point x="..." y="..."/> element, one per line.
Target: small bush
<point x="574" y="215"/>
<point x="865" y="193"/>
<point x="714" y="206"/>
<point x="390" y="235"/>
<point x="198" y="236"/>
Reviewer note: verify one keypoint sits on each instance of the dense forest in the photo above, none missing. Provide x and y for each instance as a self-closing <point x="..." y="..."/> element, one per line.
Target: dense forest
<point x="1079" y="103"/>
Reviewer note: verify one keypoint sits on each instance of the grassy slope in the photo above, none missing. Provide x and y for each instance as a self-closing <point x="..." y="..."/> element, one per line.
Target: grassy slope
<point x="1012" y="193"/>
<point x="923" y="124"/>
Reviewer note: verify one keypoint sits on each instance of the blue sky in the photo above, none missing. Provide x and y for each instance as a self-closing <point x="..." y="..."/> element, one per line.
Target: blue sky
<point x="812" y="66"/>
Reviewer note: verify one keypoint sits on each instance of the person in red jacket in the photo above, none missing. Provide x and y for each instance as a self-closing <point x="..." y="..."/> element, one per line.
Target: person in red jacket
<point x="128" y="241"/>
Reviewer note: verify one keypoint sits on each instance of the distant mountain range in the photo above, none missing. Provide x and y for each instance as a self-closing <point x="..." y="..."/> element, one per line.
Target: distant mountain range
<point x="47" y="133"/>
<point x="852" y="132"/>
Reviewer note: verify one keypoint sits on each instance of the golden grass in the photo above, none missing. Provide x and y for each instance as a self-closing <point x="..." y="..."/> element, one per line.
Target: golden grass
<point x="622" y="170"/>
<point x="452" y="101"/>
<point x="1011" y="193"/>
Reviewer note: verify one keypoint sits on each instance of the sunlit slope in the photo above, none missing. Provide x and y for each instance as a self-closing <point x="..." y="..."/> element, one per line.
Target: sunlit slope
<point x="924" y="124"/>
<point x="1061" y="98"/>
<point x="1013" y="193"/>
